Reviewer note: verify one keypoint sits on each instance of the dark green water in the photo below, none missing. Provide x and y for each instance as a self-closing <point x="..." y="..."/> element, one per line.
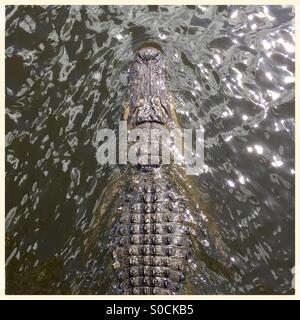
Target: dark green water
<point x="231" y="72"/>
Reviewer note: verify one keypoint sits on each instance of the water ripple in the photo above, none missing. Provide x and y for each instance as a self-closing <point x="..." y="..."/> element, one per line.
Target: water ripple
<point x="231" y="72"/>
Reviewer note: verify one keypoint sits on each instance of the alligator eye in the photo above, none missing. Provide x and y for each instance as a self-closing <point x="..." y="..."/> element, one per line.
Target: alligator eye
<point x="141" y="102"/>
<point x="156" y="58"/>
<point x="156" y="101"/>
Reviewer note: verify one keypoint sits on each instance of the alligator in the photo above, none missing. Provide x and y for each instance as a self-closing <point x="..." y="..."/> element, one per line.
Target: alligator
<point x="154" y="216"/>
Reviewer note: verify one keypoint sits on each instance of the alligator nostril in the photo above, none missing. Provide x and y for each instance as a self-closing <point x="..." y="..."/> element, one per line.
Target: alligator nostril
<point x="148" y="54"/>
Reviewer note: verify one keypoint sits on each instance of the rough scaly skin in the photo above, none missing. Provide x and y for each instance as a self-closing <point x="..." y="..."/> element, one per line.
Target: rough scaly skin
<point x="150" y="240"/>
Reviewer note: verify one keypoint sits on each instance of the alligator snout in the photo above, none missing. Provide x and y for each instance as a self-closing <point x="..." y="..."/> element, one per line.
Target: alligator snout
<point x="147" y="54"/>
<point x="148" y="90"/>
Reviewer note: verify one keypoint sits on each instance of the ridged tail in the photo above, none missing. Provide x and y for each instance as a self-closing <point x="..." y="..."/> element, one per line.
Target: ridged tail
<point x="150" y="240"/>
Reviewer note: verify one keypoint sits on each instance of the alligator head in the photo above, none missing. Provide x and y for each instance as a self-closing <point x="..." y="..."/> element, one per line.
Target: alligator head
<point x="150" y="101"/>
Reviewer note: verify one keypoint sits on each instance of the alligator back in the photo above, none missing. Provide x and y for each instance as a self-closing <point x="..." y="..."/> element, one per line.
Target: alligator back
<point x="152" y="214"/>
<point x="151" y="237"/>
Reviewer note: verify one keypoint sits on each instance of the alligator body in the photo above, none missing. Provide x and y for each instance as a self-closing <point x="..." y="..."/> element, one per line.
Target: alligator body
<point x="156" y="215"/>
<point x="151" y="238"/>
